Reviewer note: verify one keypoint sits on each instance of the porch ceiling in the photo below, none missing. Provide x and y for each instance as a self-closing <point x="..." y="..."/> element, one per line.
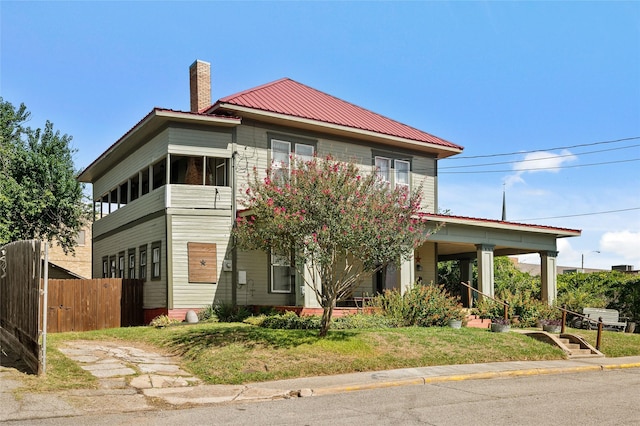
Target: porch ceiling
<point x="456" y="251"/>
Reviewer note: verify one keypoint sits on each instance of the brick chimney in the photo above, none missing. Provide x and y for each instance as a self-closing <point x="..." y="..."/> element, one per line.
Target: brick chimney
<point x="200" y="85"/>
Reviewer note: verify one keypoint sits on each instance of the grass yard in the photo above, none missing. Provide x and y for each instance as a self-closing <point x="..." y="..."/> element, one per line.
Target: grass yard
<point x="223" y="353"/>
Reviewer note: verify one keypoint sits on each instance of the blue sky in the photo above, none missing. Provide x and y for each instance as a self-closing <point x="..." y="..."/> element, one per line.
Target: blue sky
<point x="494" y="77"/>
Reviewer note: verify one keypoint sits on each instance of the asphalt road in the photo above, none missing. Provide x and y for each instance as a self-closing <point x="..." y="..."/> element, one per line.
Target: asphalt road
<point x="592" y="398"/>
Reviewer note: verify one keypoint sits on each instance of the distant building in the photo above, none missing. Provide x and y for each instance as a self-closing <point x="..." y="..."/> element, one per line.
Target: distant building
<point x="78" y="264"/>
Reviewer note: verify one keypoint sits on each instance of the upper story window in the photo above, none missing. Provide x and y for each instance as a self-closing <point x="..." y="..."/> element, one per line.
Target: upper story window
<point x="402" y="168"/>
<point x="191" y="170"/>
<point x="282" y="151"/>
<point x="383" y="167"/>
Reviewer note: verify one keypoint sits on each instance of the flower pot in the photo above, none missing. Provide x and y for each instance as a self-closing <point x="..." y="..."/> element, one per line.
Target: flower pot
<point x="455" y="323"/>
<point x="551" y="328"/>
<point x="500" y="328"/>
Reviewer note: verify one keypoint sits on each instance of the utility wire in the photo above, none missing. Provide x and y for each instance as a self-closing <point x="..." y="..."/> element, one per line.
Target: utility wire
<point x="541" y="158"/>
<point x="581" y="214"/>
<point x="544" y="168"/>
<point x="538" y="150"/>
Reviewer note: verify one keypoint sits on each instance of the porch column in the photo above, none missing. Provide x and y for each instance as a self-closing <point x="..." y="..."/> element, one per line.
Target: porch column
<point x="485" y="269"/>
<point x="548" y="271"/>
<point x="466" y="275"/>
<point x="407" y="274"/>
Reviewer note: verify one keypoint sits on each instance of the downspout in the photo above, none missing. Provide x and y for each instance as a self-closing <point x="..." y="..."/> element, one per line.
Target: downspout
<point x="234" y="212"/>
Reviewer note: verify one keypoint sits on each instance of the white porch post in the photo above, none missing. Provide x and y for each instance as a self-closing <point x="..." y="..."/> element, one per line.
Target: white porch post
<point x="407" y="274"/>
<point x="548" y="270"/>
<point x="485" y="268"/>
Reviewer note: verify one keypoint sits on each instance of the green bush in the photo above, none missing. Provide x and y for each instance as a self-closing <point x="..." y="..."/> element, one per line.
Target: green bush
<point x="291" y="321"/>
<point x="228" y="312"/>
<point x="361" y="320"/>
<point x="422" y="306"/>
<point x="207" y="314"/>
<point x="163" y="321"/>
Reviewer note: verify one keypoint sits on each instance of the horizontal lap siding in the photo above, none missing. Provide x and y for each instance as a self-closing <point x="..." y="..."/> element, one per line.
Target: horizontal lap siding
<point x="424" y="173"/>
<point x="252" y="152"/>
<point x="150" y="203"/>
<point x="256" y="291"/>
<point x="210" y="142"/>
<point x="139" y="159"/>
<point x="144" y="233"/>
<point x="201" y="197"/>
<point x="199" y="229"/>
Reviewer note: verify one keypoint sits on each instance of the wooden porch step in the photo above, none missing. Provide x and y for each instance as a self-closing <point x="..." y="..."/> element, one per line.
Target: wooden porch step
<point x="474" y="321"/>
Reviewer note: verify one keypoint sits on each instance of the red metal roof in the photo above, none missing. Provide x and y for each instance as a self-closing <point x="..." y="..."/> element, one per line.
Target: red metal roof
<point x="436" y="217"/>
<point x="294" y="99"/>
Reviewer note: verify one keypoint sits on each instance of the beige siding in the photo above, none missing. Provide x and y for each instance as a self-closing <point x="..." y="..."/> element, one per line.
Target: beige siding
<point x="256" y="291"/>
<point x="141" y="158"/>
<point x="186" y="228"/>
<point x="200" y="197"/>
<point x="212" y="143"/>
<point x="424" y="173"/>
<point x="428" y="261"/>
<point x="145" y="233"/>
<point x="143" y="206"/>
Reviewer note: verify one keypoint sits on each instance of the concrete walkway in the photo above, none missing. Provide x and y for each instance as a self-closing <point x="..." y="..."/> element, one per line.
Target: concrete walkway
<point x="137" y="379"/>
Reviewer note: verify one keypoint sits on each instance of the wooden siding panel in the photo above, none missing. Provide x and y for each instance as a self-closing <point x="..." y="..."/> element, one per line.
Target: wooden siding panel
<point x="145" y="233"/>
<point x="141" y="158"/>
<point x="200" y="197"/>
<point x="210" y="142"/>
<point x="207" y="229"/>
<point x="203" y="266"/>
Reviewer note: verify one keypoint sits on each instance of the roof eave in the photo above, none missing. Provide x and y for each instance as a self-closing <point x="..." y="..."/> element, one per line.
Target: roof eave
<point x="151" y="122"/>
<point x="439" y="150"/>
<point x="510" y="226"/>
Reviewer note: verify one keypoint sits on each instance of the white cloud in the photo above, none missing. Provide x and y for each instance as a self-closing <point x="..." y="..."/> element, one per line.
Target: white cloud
<point x="625" y="244"/>
<point x="538" y="162"/>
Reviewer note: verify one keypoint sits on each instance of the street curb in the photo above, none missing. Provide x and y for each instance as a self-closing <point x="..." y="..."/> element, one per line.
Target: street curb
<point x="471" y="376"/>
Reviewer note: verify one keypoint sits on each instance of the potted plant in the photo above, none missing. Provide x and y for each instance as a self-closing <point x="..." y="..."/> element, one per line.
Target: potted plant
<point x="500" y="325"/>
<point x="551" y="325"/>
<point x="456" y="316"/>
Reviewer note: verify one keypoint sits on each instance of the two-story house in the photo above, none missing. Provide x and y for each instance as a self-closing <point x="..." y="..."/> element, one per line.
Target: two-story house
<point x="166" y="195"/>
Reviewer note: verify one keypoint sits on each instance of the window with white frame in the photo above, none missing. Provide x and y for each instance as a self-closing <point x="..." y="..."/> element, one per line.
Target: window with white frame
<point x="280" y="151"/>
<point x="143" y="263"/>
<point x="304" y="152"/>
<point x="280" y="274"/>
<point x="121" y="265"/>
<point x="383" y="169"/>
<point x="155" y="261"/>
<point x="105" y="267"/>
<point x="402" y="168"/>
<point x="132" y="263"/>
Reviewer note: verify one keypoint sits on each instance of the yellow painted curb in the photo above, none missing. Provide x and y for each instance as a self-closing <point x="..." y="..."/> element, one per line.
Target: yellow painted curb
<point x="471" y="376"/>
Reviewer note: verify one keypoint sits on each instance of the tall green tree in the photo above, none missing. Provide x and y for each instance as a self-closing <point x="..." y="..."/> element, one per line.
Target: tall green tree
<point x="335" y="223"/>
<point x="40" y="197"/>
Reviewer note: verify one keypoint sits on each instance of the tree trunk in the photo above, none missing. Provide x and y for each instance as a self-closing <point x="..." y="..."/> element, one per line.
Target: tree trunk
<point x="326" y="315"/>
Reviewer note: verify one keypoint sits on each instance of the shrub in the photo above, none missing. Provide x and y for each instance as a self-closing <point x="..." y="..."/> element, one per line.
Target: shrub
<point x="291" y="321"/>
<point x="163" y="321"/>
<point x="364" y="321"/>
<point x="207" y="314"/>
<point x="422" y="306"/>
<point x="228" y="312"/>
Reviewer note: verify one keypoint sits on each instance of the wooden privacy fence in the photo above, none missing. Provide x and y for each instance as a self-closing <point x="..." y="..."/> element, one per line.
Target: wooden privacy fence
<point x="83" y="305"/>
<point x="20" y="294"/>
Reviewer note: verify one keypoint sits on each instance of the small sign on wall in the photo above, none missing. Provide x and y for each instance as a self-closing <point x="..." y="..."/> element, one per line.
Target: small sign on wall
<point x="202" y="262"/>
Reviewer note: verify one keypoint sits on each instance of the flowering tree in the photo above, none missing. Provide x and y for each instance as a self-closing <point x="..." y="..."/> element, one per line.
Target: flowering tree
<point x="337" y="223"/>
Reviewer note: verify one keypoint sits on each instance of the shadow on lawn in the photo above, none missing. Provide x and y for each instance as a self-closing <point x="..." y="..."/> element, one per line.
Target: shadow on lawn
<point x="249" y="337"/>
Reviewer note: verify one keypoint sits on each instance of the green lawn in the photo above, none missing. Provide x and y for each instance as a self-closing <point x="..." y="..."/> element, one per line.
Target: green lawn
<point x="235" y="353"/>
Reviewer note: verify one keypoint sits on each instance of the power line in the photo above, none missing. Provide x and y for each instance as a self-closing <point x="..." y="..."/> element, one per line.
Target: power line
<point x="541" y="158"/>
<point x="544" y="168"/>
<point x="538" y="150"/>
<point x="581" y="214"/>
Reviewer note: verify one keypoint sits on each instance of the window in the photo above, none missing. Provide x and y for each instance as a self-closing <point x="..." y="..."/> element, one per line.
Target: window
<point x="280" y="158"/>
<point x="132" y="263"/>
<point x="124" y="194"/>
<point x="105" y="267"/>
<point x="402" y="173"/>
<point x="155" y="261"/>
<point x="143" y="263"/>
<point x="280" y="274"/>
<point x="383" y="167"/>
<point x="80" y="238"/>
<point x="121" y="265"/>
<point x="135" y="186"/>
<point x="304" y="152"/>
<point x="112" y="267"/>
<point x="145" y="181"/>
<point x="160" y="173"/>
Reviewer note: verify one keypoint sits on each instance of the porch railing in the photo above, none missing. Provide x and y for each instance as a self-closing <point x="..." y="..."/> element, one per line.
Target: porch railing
<point x="470" y="289"/>
<point x="599" y="322"/>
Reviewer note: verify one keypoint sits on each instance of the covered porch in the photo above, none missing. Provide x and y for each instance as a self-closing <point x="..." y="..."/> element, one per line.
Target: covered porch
<point x="466" y="239"/>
